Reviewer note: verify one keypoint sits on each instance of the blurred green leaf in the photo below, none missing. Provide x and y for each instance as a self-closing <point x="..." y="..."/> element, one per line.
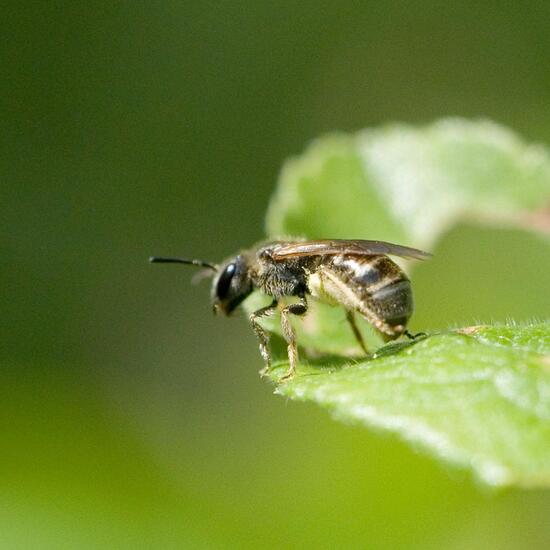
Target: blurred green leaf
<point x="477" y="397"/>
<point x="406" y="185"/>
<point x="409" y="185"/>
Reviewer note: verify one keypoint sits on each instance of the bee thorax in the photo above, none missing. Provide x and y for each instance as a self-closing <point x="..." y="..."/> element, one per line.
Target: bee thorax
<point x="280" y="279"/>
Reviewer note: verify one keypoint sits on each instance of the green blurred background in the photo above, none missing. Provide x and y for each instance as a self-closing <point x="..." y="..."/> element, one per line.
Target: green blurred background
<point x="130" y="416"/>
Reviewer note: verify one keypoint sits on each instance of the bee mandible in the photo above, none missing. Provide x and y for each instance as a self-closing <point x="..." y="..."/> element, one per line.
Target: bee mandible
<point x="356" y="274"/>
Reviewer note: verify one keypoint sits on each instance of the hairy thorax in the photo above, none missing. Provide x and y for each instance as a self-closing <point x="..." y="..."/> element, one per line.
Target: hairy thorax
<point x="288" y="278"/>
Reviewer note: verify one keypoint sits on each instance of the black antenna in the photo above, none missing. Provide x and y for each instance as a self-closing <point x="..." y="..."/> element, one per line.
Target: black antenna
<point x="199" y="263"/>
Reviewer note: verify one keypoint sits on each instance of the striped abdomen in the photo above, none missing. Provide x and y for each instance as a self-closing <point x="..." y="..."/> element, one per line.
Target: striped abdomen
<point x="374" y="286"/>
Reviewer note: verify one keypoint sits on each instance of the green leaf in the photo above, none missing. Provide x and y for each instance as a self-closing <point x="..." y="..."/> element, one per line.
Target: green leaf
<point x="406" y="185"/>
<point x="409" y="185"/>
<point x="478" y="397"/>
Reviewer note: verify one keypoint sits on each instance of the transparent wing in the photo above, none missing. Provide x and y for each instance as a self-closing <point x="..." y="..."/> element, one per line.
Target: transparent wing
<point x="344" y="246"/>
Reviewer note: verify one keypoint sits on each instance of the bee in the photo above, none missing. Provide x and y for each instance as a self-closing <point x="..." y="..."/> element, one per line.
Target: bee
<point x="355" y="274"/>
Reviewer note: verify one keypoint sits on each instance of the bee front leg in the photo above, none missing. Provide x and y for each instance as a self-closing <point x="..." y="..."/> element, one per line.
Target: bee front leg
<point x="290" y="336"/>
<point x="262" y="335"/>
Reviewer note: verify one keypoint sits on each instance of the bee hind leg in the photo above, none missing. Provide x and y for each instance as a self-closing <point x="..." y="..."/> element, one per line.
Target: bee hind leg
<point x="358" y="336"/>
<point x="299" y="308"/>
<point x="262" y="335"/>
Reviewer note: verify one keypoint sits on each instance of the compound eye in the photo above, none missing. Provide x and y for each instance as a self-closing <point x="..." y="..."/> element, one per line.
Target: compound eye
<point x="222" y="288"/>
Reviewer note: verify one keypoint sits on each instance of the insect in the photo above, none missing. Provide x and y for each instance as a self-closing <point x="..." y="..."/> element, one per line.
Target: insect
<point x="355" y="274"/>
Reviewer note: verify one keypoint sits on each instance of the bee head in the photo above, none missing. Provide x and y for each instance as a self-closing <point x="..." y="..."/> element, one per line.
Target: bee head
<point x="231" y="285"/>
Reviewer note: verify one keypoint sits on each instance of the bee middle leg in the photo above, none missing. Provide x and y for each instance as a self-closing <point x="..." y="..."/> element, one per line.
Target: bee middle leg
<point x="261" y="334"/>
<point x="358" y="336"/>
<point x="299" y="308"/>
